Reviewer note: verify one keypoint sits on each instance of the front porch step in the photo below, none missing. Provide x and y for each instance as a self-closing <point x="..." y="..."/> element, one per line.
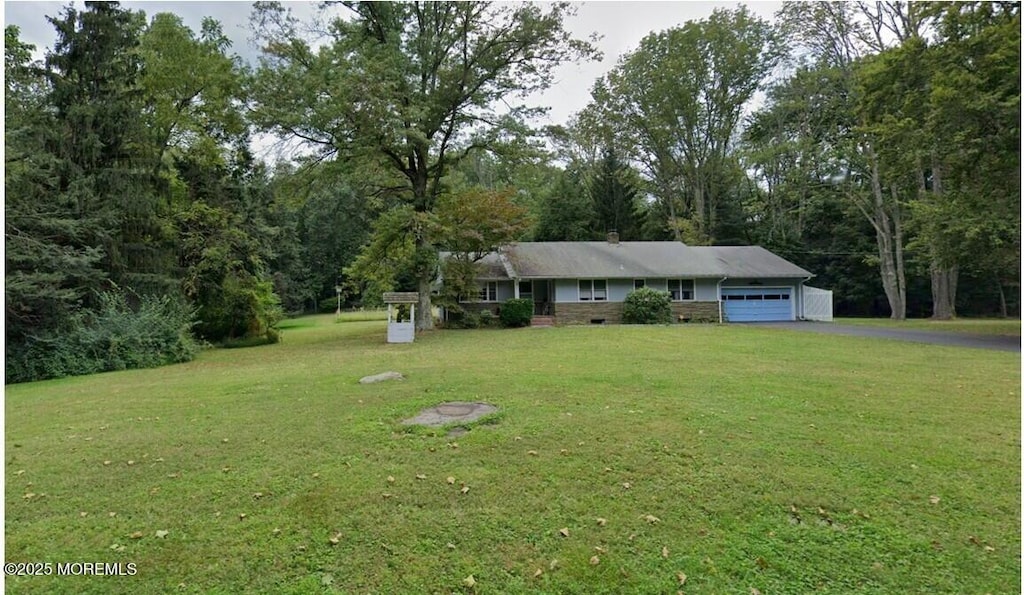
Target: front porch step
<point x="542" y="321"/>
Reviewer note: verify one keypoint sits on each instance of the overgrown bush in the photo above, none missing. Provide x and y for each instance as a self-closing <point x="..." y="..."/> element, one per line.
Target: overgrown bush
<point x="516" y="312"/>
<point x="462" y="319"/>
<point x="647" y="306"/>
<point x="116" y="336"/>
<point x="488" y="319"/>
<point x="245" y="307"/>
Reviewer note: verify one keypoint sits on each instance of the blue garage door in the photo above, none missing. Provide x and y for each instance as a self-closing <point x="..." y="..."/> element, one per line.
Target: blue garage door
<point x="756" y="304"/>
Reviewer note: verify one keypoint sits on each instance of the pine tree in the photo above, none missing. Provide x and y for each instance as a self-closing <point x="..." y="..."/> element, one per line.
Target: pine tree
<point x="615" y="197"/>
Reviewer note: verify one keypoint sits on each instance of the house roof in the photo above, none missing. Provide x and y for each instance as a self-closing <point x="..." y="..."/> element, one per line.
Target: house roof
<point x="570" y="260"/>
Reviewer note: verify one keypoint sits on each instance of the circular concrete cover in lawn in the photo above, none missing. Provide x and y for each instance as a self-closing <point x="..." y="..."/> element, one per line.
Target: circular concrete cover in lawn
<point x="451" y="413"/>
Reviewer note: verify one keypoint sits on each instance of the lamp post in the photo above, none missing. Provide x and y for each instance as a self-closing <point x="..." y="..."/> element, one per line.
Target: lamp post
<point x="337" y="290"/>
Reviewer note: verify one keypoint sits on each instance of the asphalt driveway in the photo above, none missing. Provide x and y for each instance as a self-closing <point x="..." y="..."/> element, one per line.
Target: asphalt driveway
<point x="996" y="342"/>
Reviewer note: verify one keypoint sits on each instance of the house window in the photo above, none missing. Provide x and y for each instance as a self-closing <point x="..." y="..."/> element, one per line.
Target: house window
<point x="593" y="290"/>
<point x="680" y="289"/>
<point x="488" y="291"/>
<point x="639" y="284"/>
<point x="526" y="290"/>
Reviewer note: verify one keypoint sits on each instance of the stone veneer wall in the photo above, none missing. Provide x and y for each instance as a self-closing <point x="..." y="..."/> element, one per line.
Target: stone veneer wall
<point x="583" y="313"/>
<point x="695" y="311"/>
<point x="611" y="312"/>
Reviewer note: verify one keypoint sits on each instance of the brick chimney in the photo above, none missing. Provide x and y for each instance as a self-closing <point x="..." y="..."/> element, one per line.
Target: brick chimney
<point x="613" y="237"/>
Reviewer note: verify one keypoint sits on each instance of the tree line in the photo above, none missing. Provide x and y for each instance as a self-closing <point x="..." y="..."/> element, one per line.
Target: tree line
<point x="883" y="155"/>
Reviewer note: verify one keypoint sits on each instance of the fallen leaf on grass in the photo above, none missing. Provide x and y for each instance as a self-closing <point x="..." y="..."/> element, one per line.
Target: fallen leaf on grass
<point x="242" y="516"/>
<point x="336" y="539"/>
<point x="564" y="531"/>
<point x="465" y="489"/>
<point x="117" y="547"/>
<point x="664" y="552"/>
<point x="83" y="514"/>
<point x="600" y="549"/>
<point x="450" y="480"/>
<point x="391" y="479"/>
<point x="594" y="560"/>
<point x="627" y="485"/>
<point x="385" y="495"/>
<point x="553" y="565"/>
<point x="532" y="453"/>
<point x="601" y="522"/>
<point x="161" y="534"/>
<point x="136" y="535"/>
<point x="538" y="573"/>
<point x="754" y="591"/>
<point x="106" y="462"/>
<point x="469" y="581"/>
<point x="650" y="518"/>
<point x="276" y="531"/>
<point x="682" y="578"/>
<point x="257" y="495"/>
<point x="934" y="499"/>
<point x="421" y="476"/>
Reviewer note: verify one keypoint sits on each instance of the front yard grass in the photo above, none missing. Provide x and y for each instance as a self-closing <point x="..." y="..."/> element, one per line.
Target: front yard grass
<point x="733" y="457"/>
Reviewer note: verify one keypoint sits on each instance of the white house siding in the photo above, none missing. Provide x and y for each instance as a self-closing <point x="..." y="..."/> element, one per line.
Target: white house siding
<point x="705" y="290"/>
<point x="567" y="290"/>
<point x="618" y="289"/>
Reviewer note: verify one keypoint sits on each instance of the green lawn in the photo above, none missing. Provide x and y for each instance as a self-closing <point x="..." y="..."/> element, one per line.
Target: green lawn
<point x="975" y="326"/>
<point x="741" y="457"/>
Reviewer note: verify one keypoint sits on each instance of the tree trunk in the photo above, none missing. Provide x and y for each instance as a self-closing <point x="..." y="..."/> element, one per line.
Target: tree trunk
<point x="425" y="273"/>
<point x="944" y="281"/>
<point x="1002" y="299"/>
<point x="901" y="276"/>
<point x="890" y="244"/>
<point x="944" y="275"/>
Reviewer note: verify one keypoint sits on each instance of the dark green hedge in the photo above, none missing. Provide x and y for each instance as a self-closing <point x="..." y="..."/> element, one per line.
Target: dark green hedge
<point x="516" y="312"/>
<point x="647" y="306"/>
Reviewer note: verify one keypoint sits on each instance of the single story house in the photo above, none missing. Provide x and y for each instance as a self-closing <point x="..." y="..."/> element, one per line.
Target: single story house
<point x="586" y="282"/>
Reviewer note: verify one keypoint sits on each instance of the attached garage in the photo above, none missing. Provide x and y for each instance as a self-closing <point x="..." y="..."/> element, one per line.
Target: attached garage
<point x="758" y="304"/>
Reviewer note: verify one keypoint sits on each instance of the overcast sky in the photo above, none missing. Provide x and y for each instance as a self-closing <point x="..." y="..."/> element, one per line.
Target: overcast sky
<point x="621" y="24"/>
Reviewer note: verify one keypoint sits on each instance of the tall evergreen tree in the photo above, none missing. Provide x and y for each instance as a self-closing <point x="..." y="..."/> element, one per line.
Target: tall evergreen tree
<point x="567" y="212"/>
<point x="614" y="196"/>
<point x="99" y="143"/>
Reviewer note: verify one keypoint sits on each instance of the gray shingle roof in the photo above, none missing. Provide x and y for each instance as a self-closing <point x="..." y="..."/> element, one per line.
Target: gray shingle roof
<point x="552" y="260"/>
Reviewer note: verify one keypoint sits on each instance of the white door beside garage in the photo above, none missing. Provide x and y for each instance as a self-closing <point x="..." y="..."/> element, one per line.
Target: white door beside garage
<point x="758" y="304"/>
